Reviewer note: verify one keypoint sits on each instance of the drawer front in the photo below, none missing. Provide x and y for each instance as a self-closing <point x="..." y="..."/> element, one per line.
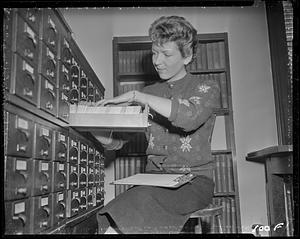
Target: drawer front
<point x="20" y="136"/>
<point x="91" y="91"/>
<point x="83" y="90"/>
<point x="91" y="177"/>
<point x="64" y="78"/>
<point x="82" y="200"/>
<point x="59" y="176"/>
<point x="83" y="176"/>
<point x="18" y="179"/>
<point x="59" y="200"/>
<point x="63" y="106"/>
<point x="91" y="197"/>
<point x="61" y="146"/>
<point x="72" y="176"/>
<point x="51" y="30"/>
<point x="42" y="177"/>
<point x="26" y="80"/>
<point x="44" y="142"/>
<point x="48" y="96"/>
<point x="49" y="64"/>
<point x="83" y="154"/>
<point x="73" y="202"/>
<point x="17" y="216"/>
<point x="99" y="196"/>
<point x="42" y="211"/>
<point x="66" y="53"/>
<point x="32" y="16"/>
<point x="27" y="44"/>
<point x="73" y="150"/>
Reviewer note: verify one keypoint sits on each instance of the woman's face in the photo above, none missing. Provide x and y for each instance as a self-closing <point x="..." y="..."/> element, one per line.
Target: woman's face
<point x="168" y="61"/>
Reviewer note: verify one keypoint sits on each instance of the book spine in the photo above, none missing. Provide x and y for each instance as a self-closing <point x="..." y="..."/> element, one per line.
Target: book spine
<point x="223" y="85"/>
<point x="214" y="172"/>
<point x="132" y="61"/>
<point x="224" y="173"/>
<point x="199" y="58"/>
<point x="219" y="179"/>
<point x="121" y="56"/>
<point x="230" y="173"/>
<point x="216" y="55"/>
<point x="216" y="78"/>
<point x="233" y="216"/>
<point x="228" y="215"/>
<point x="204" y="56"/>
<point x="222" y="54"/>
<point x="210" y="59"/>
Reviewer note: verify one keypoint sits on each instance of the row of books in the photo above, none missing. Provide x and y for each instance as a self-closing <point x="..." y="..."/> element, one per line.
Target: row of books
<point x="209" y="55"/>
<point x="136" y="61"/>
<point x="223" y="173"/>
<point x="127" y="166"/>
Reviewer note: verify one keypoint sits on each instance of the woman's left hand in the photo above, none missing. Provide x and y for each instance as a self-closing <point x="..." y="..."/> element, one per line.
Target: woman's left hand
<point x="127" y="97"/>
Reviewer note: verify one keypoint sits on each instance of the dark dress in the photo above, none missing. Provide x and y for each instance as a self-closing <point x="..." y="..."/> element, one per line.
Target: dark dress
<point x="179" y="144"/>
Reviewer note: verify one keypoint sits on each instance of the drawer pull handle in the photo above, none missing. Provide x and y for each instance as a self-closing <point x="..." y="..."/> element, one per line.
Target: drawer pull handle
<point x="49" y="106"/>
<point x="21" y="217"/>
<point x="44" y="152"/>
<point x="44" y="188"/>
<point x="60" y="215"/>
<point x="21" y="148"/>
<point x="62" y="155"/>
<point x="74" y="184"/>
<point x="44" y="224"/>
<point x="28" y="54"/>
<point x="22" y="191"/>
<point x="27" y="92"/>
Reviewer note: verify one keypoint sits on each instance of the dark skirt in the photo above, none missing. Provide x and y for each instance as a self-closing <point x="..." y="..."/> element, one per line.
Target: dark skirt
<point x="147" y="209"/>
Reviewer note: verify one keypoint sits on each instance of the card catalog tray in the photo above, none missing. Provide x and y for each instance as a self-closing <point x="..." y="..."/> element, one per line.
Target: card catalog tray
<point x="123" y="118"/>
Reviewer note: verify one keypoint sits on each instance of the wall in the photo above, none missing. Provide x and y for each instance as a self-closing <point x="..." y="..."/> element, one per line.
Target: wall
<point x="252" y="91"/>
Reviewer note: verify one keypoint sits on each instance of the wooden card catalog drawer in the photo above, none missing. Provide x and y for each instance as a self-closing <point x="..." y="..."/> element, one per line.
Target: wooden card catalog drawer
<point x="25" y="83"/>
<point x="20" y="136"/>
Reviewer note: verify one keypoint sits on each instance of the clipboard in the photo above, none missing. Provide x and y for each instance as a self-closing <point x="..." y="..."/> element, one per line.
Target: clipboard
<point x="155" y="179"/>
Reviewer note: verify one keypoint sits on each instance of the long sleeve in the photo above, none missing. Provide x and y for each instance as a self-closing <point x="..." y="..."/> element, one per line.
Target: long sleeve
<point x="192" y="110"/>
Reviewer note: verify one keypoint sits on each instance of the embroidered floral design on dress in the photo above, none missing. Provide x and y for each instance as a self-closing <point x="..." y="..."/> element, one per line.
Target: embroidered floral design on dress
<point x="203" y="88"/>
<point x="196" y="99"/>
<point x="185" y="169"/>
<point x="184" y="101"/>
<point x="151" y="139"/>
<point x="186" y="146"/>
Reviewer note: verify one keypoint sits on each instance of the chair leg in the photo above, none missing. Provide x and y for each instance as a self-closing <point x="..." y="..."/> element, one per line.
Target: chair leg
<point x="198" y="228"/>
<point x="220" y="224"/>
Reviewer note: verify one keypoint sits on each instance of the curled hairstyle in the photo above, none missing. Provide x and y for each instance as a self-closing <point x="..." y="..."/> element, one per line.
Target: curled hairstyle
<point x="176" y="29"/>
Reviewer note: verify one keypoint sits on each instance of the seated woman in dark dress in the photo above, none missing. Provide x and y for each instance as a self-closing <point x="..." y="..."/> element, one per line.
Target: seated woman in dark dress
<point x="178" y="137"/>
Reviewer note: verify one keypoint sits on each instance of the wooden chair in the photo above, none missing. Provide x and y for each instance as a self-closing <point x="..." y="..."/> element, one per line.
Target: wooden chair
<point x="214" y="211"/>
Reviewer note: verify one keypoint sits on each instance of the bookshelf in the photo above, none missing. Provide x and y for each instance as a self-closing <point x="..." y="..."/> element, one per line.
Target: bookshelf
<point x="133" y="70"/>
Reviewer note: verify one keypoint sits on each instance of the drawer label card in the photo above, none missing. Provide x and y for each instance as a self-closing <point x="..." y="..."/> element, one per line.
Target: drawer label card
<point x="60" y="197"/>
<point x="21" y="123"/>
<point x="27" y="67"/>
<point x="21" y="165"/>
<point x="45" y="166"/>
<point x="61" y="167"/>
<point x="44" y="201"/>
<point x="19" y="207"/>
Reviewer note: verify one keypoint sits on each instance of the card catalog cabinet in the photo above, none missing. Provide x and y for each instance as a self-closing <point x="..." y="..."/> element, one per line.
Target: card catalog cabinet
<point x="53" y="175"/>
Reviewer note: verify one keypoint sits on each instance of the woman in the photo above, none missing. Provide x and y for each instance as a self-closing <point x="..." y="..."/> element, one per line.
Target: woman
<point x="178" y="138"/>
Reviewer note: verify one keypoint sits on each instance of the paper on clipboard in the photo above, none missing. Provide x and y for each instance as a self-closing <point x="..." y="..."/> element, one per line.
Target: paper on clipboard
<point x="160" y="180"/>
